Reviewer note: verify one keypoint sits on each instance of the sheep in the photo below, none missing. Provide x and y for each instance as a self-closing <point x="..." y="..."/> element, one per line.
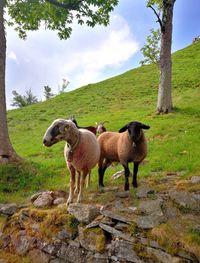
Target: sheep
<point x="99" y="128"/>
<point x="127" y="145"/>
<point x="81" y="151"/>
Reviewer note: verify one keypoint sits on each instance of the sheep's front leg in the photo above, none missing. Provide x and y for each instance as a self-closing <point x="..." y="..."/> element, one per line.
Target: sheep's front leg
<point x="135" y="170"/>
<point x="72" y="183"/>
<point x="82" y="183"/>
<point x="77" y="189"/>
<point x="126" y="173"/>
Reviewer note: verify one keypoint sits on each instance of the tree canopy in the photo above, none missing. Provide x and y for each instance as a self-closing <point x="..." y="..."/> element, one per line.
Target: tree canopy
<point x="57" y="15"/>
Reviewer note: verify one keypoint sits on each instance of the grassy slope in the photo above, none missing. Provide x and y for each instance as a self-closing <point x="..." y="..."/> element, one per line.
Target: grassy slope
<point x="173" y="138"/>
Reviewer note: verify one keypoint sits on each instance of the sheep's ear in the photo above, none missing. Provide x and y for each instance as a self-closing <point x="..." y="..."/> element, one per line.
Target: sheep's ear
<point x="123" y="129"/>
<point x="144" y="126"/>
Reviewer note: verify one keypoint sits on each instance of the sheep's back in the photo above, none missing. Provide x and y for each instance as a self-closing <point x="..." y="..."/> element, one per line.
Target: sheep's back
<point x="108" y="142"/>
<point x="87" y="153"/>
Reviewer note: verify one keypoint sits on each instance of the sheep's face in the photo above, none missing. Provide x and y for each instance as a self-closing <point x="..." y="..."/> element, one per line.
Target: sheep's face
<point x="135" y="130"/>
<point x="56" y="132"/>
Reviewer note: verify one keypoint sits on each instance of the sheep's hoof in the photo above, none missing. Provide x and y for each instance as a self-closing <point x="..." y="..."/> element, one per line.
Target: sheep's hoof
<point x="76" y="191"/>
<point x="126" y="187"/>
<point x="69" y="200"/>
<point x="79" y="199"/>
<point x="135" y="185"/>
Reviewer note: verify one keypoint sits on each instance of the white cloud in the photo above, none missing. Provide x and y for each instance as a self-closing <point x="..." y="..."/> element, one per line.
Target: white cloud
<point x="86" y="57"/>
<point x="13" y="56"/>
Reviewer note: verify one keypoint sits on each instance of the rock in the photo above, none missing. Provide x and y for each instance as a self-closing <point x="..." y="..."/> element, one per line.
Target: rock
<point x="162" y="256"/>
<point x="186" y="200"/>
<point x="116" y="232"/>
<point x="122" y="251"/>
<point x="21" y="245"/>
<point x="51" y="249"/>
<point x="43" y="200"/>
<point x="144" y="191"/>
<point x="171" y="212"/>
<point x="59" y="194"/>
<point x="124" y="194"/>
<point x="8" y="209"/>
<point x="4" y="240"/>
<point x="35" y="196"/>
<point x="92" y="239"/>
<point x="71" y="254"/>
<point x="84" y="213"/>
<point x="97" y="258"/>
<point x="121" y="226"/>
<point x="37" y="256"/>
<point x="66" y="234"/>
<point x="150" y="221"/>
<point x="195" y="179"/>
<point x="59" y="201"/>
<point x="116" y="216"/>
<point x="150" y="206"/>
<point x="108" y="221"/>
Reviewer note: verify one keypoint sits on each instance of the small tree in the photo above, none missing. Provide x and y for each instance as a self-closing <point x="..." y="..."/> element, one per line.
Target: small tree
<point x="64" y="86"/>
<point x="30" y="98"/>
<point x="18" y="100"/>
<point x="47" y="92"/>
<point x="23" y="100"/>
<point x="151" y="50"/>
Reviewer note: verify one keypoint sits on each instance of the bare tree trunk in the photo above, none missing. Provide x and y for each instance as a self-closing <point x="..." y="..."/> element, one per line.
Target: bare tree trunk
<point x="7" y="153"/>
<point x="164" y="102"/>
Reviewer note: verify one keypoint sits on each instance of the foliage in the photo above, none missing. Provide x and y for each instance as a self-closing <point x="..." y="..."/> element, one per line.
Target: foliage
<point x="23" y="100"/>
<point x="64" y="86"/>
<point x="47" y="92"/>
<point x="57" y="15"/>
<point x="172" y="138"/>
<point x="151" y="50"/>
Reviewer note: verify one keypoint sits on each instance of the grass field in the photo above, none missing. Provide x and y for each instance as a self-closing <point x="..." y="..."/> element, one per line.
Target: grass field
<point x="173" y="138"/>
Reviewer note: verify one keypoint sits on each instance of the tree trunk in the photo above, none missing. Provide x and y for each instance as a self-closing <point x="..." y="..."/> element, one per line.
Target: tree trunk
<point x="7" y="153"/>
<point x="164" y="102"/>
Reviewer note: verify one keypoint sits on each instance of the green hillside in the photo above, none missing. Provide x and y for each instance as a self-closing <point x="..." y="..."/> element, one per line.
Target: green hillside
<point x="173" y="138"/>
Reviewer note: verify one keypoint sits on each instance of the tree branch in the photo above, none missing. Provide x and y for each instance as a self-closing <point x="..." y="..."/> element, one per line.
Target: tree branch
<point x="69" y="6"/>
<point x="159" y="20"/>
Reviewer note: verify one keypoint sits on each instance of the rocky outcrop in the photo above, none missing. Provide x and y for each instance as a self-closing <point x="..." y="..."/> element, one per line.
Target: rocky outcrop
<point x="126" y="230"/>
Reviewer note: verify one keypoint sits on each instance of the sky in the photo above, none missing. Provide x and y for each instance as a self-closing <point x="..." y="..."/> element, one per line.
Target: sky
<point x="91" y="55"/>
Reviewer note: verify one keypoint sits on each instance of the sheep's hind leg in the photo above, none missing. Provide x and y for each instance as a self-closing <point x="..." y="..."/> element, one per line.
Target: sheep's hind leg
<point x="102" y="169"/>
<point x="88" y="179"/>
<point x="126" y="173"/>
<point x="135" y="170"/>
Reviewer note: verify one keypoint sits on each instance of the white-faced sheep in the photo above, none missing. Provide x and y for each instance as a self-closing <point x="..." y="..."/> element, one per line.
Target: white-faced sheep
<point x="81" y="150"/>
<point x="129" y="145"/>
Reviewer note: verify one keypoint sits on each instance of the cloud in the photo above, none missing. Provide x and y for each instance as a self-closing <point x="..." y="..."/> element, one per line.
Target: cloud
<point x="86" y="57"/>
<point x="13" y="56"/>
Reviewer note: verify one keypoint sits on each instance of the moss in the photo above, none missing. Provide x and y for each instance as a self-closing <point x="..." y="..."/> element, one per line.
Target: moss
<point x="95" y="236"/>
<point x="3" y="220"/>
<point x="38" y="214"/>
<point x="166" y="237"/>
<point x="141" y="252"/>
<point x="10" y="258"/>
<point x="132" y="228"/>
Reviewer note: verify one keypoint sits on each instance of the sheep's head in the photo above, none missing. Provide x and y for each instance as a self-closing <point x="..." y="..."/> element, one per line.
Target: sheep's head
<point x="59" y="130"/>
<point x="135" y="130"/>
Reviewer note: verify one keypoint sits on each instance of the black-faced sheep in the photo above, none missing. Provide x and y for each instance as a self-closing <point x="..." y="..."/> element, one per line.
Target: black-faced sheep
<point x="81" y="151"/>
<point x="129" y="145"/>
